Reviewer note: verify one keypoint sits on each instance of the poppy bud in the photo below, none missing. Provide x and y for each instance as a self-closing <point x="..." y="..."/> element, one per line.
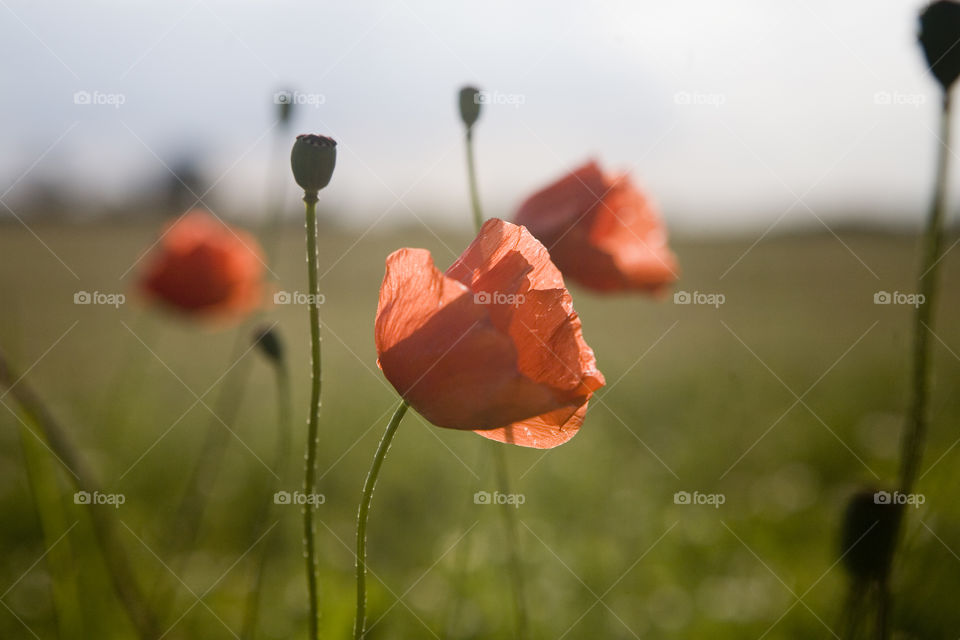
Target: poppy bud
<point x="312" y="160"/>
<point x="268" y="341"/>
<point x="469" y="105"/>
<point x="870" y="527"/>
<point x="939" y="33"/>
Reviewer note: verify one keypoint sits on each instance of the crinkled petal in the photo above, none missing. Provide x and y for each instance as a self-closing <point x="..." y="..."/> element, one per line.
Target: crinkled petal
<point x="444" y="355"/>
<point x="543" y="432"/>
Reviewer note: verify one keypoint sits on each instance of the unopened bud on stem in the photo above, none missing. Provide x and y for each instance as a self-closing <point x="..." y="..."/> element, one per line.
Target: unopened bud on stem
<point x="469" y="105"/>
<point x="312" y="160"/>
<point x="939" y="33"/>
<point x="267" y="339"/>
<point x="870" y="527"/>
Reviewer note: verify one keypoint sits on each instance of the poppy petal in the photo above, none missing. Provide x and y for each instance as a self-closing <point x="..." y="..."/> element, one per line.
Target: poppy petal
<point x="543" y="432"/>
<point x="602" y="231"/>
<point x="442" y="352"/>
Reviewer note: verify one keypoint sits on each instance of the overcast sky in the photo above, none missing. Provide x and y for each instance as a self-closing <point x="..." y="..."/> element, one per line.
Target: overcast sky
<point x="731" y="114"/>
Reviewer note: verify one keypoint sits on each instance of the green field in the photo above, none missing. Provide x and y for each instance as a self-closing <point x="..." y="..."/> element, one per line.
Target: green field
<point x="785" y="399"/>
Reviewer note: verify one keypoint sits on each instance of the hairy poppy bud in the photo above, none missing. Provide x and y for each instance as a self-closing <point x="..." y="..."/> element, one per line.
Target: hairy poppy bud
<point x="268" y="341"/>
<point x="869" y="535"/>
<point x="312" y="160"/>
<point x="469" y="105"/>
<point x="939" y="33"/>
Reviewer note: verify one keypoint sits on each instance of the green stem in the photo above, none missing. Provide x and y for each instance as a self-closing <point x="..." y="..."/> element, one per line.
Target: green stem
<point x="111" y="548"/>
<point x="510" y="525"/>
<point x="61" y="556"/>
<point x="195" y="500"/>
<point x="503" y="475"/>
<point x="362" y="515"/>
<point x="310" y="472"/>
<point x="273" y="226"/>
<point x="472" y="176"/>
<point x="284" y="413"/>
<point x="916" y="431"/>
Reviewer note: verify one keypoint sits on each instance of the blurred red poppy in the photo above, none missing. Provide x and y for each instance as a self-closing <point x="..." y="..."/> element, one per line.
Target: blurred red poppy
<point x="202" y="266"/>
<point x="493" y="345"/>
<point x="602" y="232"/>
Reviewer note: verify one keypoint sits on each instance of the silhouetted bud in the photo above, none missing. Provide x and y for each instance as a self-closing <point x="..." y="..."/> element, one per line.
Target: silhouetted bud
<point x="870" y="527"/>
<point x="312" y="160"/>
<point x="469" y="105"/>
<point x="268" y="341"/>
<point x="939" y="34"/>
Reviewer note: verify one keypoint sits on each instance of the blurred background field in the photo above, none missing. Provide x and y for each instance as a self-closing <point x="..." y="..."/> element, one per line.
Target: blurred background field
<point x="785" y="399"/>
<point x="791" y="149"/>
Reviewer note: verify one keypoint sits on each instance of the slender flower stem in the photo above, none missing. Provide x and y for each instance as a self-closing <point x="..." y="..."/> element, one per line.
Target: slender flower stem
<point x="500" y="460"/>
<point x="915" y="434"/>
<point x="112" y="549"/>
<point x="61" y="556"/>
<point x="310" y="473"/>
<point x="195" y="500"/>
<point x="364" y="512"/>
<point x="273" y="226"/>
<point x="284" y="413"/>
<point x="510" y="524"/>
<point x="472" y="175"/>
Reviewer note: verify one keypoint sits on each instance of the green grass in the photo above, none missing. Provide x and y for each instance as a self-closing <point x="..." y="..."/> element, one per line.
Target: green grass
<point x="698" y="398"/>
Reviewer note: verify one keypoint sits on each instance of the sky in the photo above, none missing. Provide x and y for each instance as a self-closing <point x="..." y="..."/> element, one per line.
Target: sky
<point x="734" y="115"/>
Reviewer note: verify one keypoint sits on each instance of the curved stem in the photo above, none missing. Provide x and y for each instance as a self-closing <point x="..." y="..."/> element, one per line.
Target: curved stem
<point x="510" y="524"/>
<point x="112" y="550"/>
<point x="364" y="512"/>
<point x="915" y="434"/>
<point x="310" y="472"/>
<point x="472" y="176"/>
<point x="195" y="499"/>
<point x="284" y="413"/>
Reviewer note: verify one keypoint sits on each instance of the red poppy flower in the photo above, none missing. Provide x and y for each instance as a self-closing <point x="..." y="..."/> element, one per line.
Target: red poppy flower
<point x="202" y="266"/>
<point x="492" y="345"/>
<point x="602" y="232"/>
